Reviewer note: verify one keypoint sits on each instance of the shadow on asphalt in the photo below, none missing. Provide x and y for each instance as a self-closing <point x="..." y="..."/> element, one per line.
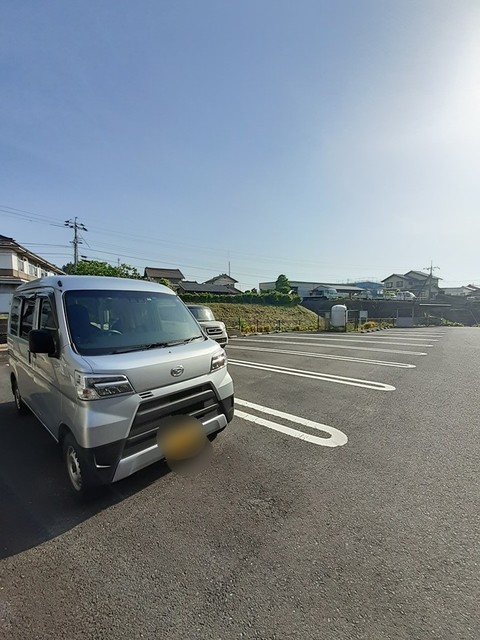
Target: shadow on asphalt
<point x="36" y="503"/>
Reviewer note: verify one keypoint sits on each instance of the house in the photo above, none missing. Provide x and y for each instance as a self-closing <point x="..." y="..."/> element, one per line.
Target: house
<point x="19" y="265"/>
<point x="206" y="287"/>
<point x="420" y="283"/>
<point x="460" y="291"/>
<point x="475" y="291"/>
<point x="174" y="276"/>
<point x="222" y="279"/>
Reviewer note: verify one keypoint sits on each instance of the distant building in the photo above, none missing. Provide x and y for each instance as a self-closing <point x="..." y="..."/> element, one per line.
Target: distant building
<point x="417" y="282"/>
<point x="174" y="276"/>
<point x="222" y="279"/>
<point x="19" y="265"/>
<point x="460" y="291"/>
<point x="197" y="287"/>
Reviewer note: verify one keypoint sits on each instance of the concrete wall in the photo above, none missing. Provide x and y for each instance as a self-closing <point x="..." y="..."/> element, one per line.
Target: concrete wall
<point x="384" y="309"/>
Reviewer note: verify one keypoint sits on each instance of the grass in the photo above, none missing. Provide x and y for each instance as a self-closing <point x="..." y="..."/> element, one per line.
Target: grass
<point x="250" y="318"/>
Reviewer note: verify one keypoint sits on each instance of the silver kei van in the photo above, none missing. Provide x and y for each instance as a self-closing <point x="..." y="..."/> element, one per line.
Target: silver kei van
<point x="105" y="363"/>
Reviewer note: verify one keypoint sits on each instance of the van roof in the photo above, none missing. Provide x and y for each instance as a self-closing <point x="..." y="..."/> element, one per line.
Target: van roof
<point x="69" y="283"/>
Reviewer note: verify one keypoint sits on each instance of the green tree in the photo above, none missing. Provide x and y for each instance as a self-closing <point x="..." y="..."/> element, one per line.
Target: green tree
<point x="99" y="268"/>
<point x="165" y="282"/>
<point x="282" y="285"/>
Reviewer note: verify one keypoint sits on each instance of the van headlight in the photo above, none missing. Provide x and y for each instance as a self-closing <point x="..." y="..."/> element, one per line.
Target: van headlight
<point x="90" y="387"/>
<point x="219" y="360"/>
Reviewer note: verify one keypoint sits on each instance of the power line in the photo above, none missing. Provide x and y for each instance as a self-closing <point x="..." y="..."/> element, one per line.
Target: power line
<point x="258" y="257"/>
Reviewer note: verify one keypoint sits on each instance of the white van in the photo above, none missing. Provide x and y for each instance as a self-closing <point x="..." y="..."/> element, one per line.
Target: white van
<point x="329" y="293"/>
<point x="108" y="365"/>
<point x="213" y="328"/>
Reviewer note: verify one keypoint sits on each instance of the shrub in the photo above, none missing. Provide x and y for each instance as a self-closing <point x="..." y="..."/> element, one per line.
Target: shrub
<point x="266" y="297"/>
<point x="449" y="323"/>
<point x="370" y="324"/>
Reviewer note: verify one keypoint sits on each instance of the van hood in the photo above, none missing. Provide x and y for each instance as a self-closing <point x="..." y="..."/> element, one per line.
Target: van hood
<point x="211" y="323"/>
<point x="152" y="369"/>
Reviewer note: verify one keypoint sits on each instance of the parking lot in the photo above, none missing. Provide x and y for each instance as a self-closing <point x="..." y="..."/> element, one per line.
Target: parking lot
<point x="341" y="502"/>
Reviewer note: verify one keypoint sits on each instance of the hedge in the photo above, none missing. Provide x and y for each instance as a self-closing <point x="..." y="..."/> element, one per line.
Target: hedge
<point x="269" y="297"/>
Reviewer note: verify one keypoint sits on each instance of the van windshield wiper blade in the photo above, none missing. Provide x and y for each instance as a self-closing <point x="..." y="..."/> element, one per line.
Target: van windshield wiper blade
<point x="174" y="343"/>
<point x="156" y="345"/>
<point x="142" y="347"/>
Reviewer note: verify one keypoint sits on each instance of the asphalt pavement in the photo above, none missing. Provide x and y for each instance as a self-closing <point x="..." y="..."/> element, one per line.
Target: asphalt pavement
<point x="341" y="503"/>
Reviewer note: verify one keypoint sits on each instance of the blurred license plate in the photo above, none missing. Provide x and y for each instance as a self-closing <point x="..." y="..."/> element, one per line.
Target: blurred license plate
<point x="182" y="439"/>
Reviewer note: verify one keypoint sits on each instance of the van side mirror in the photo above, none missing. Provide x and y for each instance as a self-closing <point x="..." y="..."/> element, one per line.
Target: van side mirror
<point x="41" y="341"/>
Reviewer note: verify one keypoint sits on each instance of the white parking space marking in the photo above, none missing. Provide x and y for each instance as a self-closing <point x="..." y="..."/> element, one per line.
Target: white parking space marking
<point x="336" y="438"/>
<point x="333" y="346"/>
<point x="428" y="336"/>
<point x="326" y="356"/>
<point x="354" y="336"/>
<point x="325" y="339"/>
<point x="324" y="377"/>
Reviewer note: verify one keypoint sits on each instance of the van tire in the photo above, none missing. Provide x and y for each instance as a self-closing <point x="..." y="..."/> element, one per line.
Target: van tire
<point x="21" y="407"/>
<point x="80" y="473"/>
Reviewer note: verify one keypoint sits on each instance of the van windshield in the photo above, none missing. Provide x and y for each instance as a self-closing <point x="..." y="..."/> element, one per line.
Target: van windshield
<point x="106" y="322"/>
<point x="202" y="314"/>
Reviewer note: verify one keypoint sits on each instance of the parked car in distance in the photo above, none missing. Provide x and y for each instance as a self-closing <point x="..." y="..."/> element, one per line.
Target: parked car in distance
<point x="213" y="328"/>
<point x="405" y="295"/>
<point x="364" y="295"/>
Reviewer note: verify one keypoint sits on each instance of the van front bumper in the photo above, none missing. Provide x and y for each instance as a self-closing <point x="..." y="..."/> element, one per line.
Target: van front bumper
<point x="111" y="462"/>
<point x="144" y="458"/>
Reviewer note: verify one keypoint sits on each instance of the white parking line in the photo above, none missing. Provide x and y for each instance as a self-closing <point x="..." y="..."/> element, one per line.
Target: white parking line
<point x="354" y="336"/>
<point x="334" y="346"/>
<point x="336" y="439"/>
<point x="326" y="356"/>
<point x="428" y="336"/>
<point x="353" y="339"/>
<point x="324" y="377"/>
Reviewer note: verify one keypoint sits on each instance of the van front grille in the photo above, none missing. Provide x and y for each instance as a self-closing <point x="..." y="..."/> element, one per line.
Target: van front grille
<point x="214" y="331"/>
<point x="199" y="402"/>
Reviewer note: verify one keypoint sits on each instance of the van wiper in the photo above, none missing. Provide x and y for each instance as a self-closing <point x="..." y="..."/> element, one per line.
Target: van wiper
<point x="155" y="345"/>
<point x="174" y="343"/>
<point x="142" y="347"/>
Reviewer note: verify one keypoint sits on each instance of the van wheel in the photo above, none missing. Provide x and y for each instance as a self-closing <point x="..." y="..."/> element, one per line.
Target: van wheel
<point x="21" y="407"/>
<point x="79" y="472"/>
<point x="212" y="436"/>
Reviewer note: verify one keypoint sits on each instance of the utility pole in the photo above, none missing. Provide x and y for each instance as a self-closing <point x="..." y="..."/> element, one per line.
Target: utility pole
<point x="430" y="269"/>
<point x="73" y="224"/>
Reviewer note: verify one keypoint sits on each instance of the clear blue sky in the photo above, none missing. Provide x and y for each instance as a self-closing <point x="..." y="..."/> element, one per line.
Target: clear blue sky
<point x="327" y="140"/>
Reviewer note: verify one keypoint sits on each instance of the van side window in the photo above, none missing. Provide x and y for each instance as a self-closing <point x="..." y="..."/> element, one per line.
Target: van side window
<point x="26" y="323"/>
<point x="47" y="316"/>
<point x="14" y="316"/>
